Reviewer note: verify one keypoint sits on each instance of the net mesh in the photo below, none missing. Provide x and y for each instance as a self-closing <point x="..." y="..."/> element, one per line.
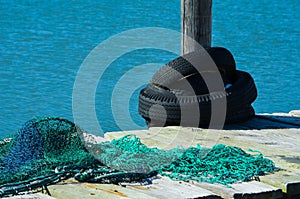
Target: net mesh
<point x="222" y="164"/>
<point x="129" y="154"/>
<point x="39" y="147"/>
<point x="46" y="149"/>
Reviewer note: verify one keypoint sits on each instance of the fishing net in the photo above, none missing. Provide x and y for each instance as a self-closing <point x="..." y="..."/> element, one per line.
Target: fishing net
<point x="220" y="164"/>
<point x="129" y="154"/>
<point x="45" y="151"/>
<point x="39" y="147"/>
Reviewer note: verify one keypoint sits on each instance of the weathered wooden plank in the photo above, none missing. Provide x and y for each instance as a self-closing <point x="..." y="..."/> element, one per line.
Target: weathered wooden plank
<point x="30" y="196"/>
<point x="244" y="190"/>
<point x="295" y="113"/>
<point x="280" y="145"/>
<point x="196" y="23"/>
<point x="256" y="189"/>
<point x="159" y="187"/>
<point x="163" y="187"/>
<point x="86" y="190"/>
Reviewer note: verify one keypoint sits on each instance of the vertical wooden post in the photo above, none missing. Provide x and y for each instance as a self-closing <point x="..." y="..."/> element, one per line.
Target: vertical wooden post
<point x="196" y="22"/>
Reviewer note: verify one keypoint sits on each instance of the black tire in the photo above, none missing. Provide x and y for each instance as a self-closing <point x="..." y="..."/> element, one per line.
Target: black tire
<point x="174" y="70"/>
<point x="242" y="93"/>
<point x="240" y="116"/>
<point x="224" y="61"/>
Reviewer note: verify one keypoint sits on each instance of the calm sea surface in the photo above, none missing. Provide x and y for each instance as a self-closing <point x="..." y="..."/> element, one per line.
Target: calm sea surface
<point x="43" y="43"/>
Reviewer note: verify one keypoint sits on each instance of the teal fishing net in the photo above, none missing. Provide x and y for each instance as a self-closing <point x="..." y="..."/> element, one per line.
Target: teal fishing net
<point x="45" y="151"/>
<point x="129" y="154"/>
<point x="39" y="147"/>
<point x="222" y="164"/>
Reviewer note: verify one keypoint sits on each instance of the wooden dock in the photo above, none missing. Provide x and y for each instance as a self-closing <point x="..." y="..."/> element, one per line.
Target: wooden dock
<point x="277" y="136"/>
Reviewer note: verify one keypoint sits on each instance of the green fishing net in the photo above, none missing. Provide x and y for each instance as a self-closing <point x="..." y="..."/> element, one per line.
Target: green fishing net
<point x="45" y="151"/>
<point x="39" y="147"/>
<point x="130" y="155"/>
<point x="220" y="164"/>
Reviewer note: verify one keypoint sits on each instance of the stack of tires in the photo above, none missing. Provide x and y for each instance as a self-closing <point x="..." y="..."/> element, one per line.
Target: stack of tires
<point x="180" y="86"/>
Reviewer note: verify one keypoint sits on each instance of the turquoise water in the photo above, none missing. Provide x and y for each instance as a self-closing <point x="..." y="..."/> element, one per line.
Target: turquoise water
<point x="42" y="45"/>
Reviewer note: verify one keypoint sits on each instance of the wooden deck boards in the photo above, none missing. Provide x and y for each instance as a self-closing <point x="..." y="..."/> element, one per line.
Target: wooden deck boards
<point x="73" y="190"/>
<point x="159" y="187"/>
<point x="30" y="196"/>
<point x="163" y="187"/>
<point x="276" y="136"/>
<point x="244" y="190"/>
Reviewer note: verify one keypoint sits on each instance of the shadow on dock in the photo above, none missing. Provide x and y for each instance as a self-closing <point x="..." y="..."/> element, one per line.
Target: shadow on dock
<point x="267" y="122"/>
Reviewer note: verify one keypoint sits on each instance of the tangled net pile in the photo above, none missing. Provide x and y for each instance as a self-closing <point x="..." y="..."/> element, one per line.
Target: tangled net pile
<point x="45" y="151"/>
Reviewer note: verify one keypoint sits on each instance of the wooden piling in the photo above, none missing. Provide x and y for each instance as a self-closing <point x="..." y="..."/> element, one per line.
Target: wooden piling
<point x="196" y="23"/>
